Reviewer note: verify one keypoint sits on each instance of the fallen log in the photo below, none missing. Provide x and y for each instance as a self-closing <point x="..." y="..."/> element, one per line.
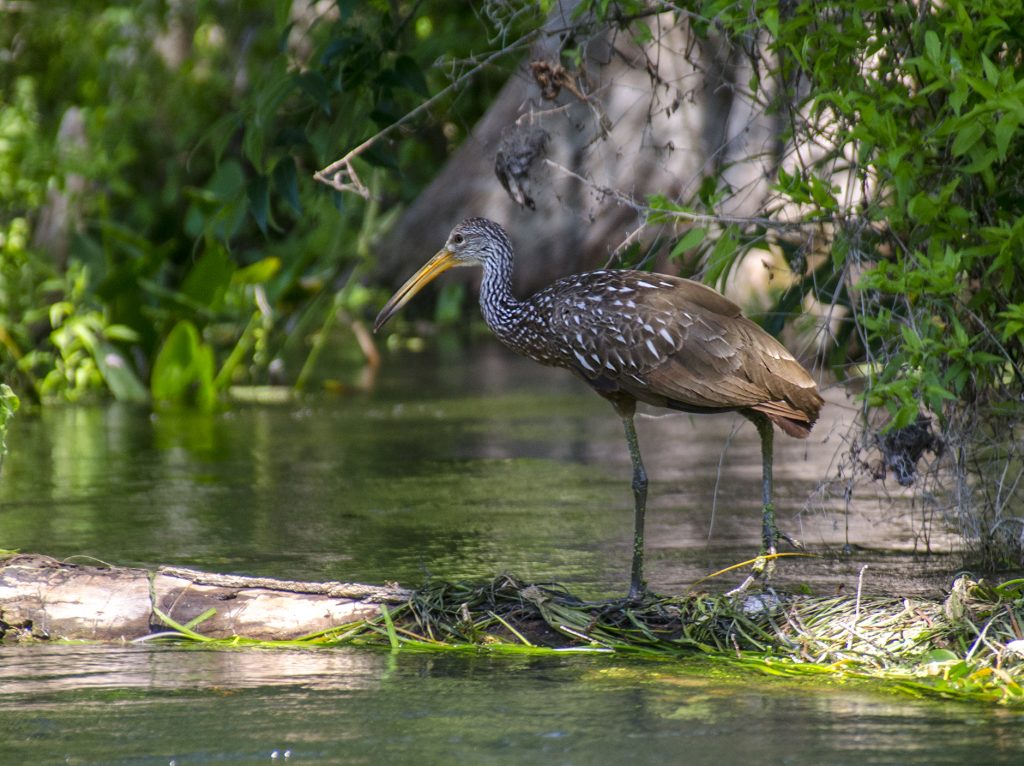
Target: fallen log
<point x="42" y="598"/>
<point x="967" y="646"/>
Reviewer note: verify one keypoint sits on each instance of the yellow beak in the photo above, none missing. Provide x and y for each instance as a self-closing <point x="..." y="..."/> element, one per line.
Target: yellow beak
<point x="440" y="263"/>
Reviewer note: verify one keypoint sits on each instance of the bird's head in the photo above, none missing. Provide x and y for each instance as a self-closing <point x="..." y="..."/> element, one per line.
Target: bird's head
<point x="474" y="242"/>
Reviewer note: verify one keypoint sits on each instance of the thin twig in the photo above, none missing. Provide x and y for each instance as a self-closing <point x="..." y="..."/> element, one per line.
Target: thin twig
<point x="718" y="478"/>
<point x="334" y="175"/>
<point x="856" y="606"/>
<point x="686" y="215"/>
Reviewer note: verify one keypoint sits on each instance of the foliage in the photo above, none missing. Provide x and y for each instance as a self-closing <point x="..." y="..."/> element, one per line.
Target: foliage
<point x="903" y="153"/>
<point x="184" y="368"/>
<point x="155" y="173"/>
<point x="87" y="359"/>
<point x="941" y="279"/>
<point x="138" y="232"/>
<point x="904" y="148"/>
<point x="8" y="406"/>
<point x="931" y="250"/>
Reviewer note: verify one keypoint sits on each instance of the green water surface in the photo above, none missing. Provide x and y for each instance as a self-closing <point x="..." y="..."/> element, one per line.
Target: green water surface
<point x="457" y="467"/>
<point x="151" y="705"/>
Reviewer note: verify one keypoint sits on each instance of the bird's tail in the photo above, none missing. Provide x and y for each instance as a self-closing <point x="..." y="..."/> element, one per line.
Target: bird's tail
<point x="794" y="422"/>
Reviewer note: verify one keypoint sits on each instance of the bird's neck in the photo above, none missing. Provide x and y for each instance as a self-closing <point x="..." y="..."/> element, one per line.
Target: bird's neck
<point x="497" y="303"/>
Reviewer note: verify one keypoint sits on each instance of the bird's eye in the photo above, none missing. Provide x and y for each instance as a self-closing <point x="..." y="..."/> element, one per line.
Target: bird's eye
<point x="458" y="239"/>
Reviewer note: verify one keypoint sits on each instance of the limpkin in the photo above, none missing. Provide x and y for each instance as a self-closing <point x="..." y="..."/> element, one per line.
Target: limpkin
<point x="638" y="336"/>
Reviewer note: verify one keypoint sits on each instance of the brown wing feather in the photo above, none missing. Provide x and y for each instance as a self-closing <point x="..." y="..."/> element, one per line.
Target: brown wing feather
<point x="675" y="343"/>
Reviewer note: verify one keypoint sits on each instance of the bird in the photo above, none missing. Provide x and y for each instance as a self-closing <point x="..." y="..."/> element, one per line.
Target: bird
<point x="637" y="336"/>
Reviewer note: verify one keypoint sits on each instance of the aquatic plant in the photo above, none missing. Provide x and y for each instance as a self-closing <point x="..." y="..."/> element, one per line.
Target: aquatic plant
<point x="8" y="406"/>
<point x="968" y="646"/>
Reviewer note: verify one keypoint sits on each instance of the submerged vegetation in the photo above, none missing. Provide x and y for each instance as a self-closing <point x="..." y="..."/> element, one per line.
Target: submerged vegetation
<point x="968" y="647"/>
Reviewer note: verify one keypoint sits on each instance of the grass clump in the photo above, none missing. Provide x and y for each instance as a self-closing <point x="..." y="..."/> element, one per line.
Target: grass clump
<point x="968" y="646"/>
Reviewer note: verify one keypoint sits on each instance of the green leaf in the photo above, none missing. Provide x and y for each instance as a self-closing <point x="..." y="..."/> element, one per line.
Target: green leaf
<point x="905" y="415"/>
<point x="933" y="47"/>
<point x="939" y="655"/>
<point x="958" y="96"/>
<point x="981" y="87"/>
<point x="286" y="183"/>
<point x="991" y="71"/>
<point x="260" y="129"/>
<point x="257" y="273"/>
<point x="923" y="208"/>
<point x="910" y="337"/>
<point x="313" y="84"/>
<point x="661" y="206"/>
<point x="960" y="333"/>
<point x="688" y="241"/>
<point x="227" y="181"/>
<point x="258" y="192"/>
<point x="117" y="373"/>
<point x="183" y="371"/>
<point x="967" y="137"/>
<point x="9" y="404"/>
<point x="1004" y="131"/>
<point x="209" y="278"/>
<point x="642" y="34"/>
<point x="722" y="258"/>
<point x="221" y="132"/>
<point x="121" y="333"/>
<point x="823" y="194"/>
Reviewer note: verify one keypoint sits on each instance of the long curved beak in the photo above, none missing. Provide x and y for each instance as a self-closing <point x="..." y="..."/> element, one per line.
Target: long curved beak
<point x="440" y="263"/>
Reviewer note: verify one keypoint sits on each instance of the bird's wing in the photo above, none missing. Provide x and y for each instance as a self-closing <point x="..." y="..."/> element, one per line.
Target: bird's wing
<point x="611" y="323"/>
<point x="662" y="337"/>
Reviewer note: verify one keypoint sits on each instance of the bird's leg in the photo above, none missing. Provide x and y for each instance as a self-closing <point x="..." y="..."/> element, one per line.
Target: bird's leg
<point x="636" y="583"/>
<point x="769" y="530"/>
<point x="764" y="567"/>
<point x="770" y="533"/>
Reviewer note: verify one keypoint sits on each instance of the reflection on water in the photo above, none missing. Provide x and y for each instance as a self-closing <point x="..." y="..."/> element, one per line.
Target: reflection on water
<point x="77" y="668"/>
<point x="90" y="705"/>
<point x="454" y="468"/>
<point x="458" y="467"/>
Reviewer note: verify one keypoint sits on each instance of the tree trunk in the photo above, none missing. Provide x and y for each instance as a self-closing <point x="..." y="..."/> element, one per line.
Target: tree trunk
<point x="633" y="121"/>
<point x="42" y="598"/>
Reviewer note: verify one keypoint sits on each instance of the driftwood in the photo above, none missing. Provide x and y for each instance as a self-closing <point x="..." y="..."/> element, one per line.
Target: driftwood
<point x="42" y="598"/>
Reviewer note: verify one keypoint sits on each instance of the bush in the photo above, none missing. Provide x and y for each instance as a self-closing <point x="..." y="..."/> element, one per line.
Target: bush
<point x="898" y="193"/>
<point x="905" y="152"/>
<point x="156" y="166"/>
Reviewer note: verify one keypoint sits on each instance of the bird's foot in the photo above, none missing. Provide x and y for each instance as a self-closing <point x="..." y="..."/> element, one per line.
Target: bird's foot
<point x="771" y="535"/>
<point x="791" y="540"/>
<point x="637" y="593"/>
<point x="632" y="600"/>
<point x="743" y="587"/>
<point x="762" y="569"/>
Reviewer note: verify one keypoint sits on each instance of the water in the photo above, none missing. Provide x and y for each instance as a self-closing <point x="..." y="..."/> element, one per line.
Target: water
<point x="107" y="705"/>
<point x="455" y="466"/>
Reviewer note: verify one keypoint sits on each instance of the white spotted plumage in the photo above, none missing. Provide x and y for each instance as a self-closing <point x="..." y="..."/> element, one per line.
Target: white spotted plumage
<point x="657" y="338"/>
